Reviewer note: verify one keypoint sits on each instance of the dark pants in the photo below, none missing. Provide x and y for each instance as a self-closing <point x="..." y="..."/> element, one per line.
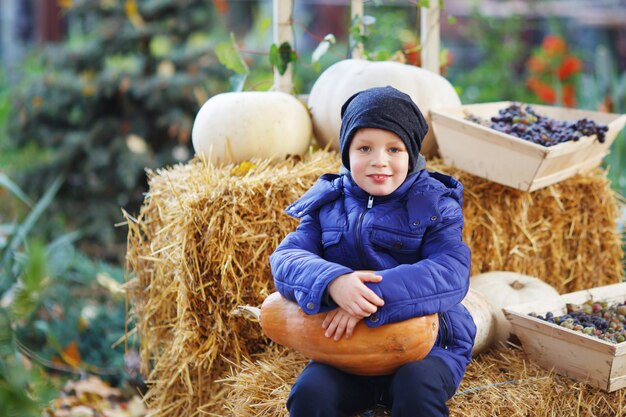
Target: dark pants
<point x="416" y="389"/>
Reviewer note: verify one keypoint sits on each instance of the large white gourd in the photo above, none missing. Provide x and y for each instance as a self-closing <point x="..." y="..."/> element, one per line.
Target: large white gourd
<point x="344" y="78"/>
<point x="506" y="289"/>
<point x="484" y="317"/>
<point x="235" y="127"/>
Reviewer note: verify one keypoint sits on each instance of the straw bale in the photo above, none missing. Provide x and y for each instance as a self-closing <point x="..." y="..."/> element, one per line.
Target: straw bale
<point x="501" y="382"/>
<point x="198" y="249"/>
<point x="566" y="234"/>
<point x="200" y="246"/>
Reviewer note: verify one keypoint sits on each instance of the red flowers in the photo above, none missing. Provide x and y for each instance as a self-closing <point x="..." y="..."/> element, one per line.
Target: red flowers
<point x="569" y="67"/>
<point x="552" y="72"/>
<point x="554" y="45"/>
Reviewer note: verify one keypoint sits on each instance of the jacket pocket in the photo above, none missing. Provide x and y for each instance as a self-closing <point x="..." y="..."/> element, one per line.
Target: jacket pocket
<point x="396" y="241"/>
<point x="331" y="243"/>
<point x="403" y="247"/>
<point x="330" y="237"/>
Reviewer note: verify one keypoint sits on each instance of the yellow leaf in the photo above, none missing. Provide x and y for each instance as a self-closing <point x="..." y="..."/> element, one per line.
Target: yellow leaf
<point x="83" y="324"/>
<point x="132" y="12"/>
<point x="71" y="355"/>
<point x="242" y="169"/>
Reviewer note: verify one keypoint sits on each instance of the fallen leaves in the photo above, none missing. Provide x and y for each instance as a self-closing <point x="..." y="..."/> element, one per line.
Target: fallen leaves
<point x="92" y="397"/>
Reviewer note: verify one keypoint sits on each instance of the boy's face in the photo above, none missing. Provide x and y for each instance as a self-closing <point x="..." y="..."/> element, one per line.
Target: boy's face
<point x="379" y="161"/>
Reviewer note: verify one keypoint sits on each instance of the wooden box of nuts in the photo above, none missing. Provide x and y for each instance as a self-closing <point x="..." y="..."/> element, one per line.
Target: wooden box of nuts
<point x="580" y="354"/>
<point x="512" y="161"/>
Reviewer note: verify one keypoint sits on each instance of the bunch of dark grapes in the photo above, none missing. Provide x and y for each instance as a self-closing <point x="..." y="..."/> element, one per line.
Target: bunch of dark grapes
<point x="525" y="123"/>
<point x="599" y="319"/>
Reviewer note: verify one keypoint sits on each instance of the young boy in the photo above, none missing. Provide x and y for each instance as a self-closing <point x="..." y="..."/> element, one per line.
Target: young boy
<point x="380" y="242"/>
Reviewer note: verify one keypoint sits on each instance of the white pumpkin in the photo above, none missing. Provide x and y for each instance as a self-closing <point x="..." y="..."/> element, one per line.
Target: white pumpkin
<point x="507" y="289"/>
<point x="484" y="317"/>
<point x="344" y="78"/>
<point x="235" y="127"/>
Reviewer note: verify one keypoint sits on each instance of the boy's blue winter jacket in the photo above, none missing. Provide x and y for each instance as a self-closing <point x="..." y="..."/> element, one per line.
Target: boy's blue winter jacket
<point x="412" y="238"/>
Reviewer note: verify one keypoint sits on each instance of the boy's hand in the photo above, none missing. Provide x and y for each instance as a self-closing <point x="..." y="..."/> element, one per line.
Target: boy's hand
<point x="338" y="322"/>
<point x="351" y="294"/>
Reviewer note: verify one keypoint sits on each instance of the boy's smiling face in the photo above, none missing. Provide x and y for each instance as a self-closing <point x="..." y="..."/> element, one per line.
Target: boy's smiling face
<point x="379" y="161"/>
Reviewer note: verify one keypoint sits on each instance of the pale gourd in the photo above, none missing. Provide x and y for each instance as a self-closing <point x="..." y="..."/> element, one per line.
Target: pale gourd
<point x="506" y="289"/>
<point x="484" y="317"/>
<point x="344" y="78"/>
<point x="236" y="127"/>
<point x="369" y="351"/>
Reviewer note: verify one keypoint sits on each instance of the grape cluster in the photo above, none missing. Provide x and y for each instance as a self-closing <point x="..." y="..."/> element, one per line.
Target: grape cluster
<point x="524" y="122"/>
<point x="599" y="319"/>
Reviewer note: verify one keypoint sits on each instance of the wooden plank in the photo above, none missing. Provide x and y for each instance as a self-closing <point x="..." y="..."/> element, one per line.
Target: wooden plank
<point x="572" y="353"/>
<point x="512" y="161"/>
<point x="430" y="36"/>
<point x="563" y="171"/>
<point x="552" y="332"/>
<point x="568" y="358"/>
<point x="282" y="27"/>
<point x="357" y="12"/>
<point x="618" y="373"/>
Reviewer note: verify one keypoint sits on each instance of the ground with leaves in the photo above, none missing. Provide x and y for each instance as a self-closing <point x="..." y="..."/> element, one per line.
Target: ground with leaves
<point x="92" y="397"/>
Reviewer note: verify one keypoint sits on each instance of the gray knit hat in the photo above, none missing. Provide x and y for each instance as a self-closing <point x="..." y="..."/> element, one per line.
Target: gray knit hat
<point x="383" y="108"/>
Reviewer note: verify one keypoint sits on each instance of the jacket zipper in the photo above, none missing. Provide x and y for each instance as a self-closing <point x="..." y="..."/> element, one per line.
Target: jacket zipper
<point x="357" y="230"/>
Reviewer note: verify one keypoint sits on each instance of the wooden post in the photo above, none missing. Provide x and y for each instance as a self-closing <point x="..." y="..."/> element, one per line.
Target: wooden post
<point x="282" y="10"/>
<point x="357" y="10"/>
<point x="429" y="36"/>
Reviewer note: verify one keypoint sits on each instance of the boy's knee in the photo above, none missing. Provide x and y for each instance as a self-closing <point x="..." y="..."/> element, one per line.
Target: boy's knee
<point x="313" y="394"/>
<point x="422" y="389"/>
<point x="430" y="374"/>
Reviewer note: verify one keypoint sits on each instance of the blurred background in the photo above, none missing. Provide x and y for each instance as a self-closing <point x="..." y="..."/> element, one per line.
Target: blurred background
<point x="94" y="92"/>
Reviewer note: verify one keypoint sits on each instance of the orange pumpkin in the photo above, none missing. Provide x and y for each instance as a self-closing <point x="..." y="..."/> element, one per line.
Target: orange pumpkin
<point x="370" y="351"/>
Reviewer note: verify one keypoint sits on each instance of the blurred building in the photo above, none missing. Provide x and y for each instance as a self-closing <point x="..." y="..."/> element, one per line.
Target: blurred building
<point x="588" y="22"/>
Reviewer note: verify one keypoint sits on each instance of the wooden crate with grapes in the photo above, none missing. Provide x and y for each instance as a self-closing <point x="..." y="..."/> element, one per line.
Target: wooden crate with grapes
<point x="524" y="146"/>
<point x="582" y="335"/>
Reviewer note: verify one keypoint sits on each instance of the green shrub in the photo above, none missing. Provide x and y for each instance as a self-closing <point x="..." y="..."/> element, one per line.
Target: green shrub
<point x="59" y="310"/>
<point x="114" y="100"/>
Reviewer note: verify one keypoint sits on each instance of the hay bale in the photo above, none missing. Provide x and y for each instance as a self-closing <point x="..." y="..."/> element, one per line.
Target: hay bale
<point x="200" y="247"/>
<point x="566" y="234"/>
<point x="501" y="382"/>
<point x="259" y="387"/>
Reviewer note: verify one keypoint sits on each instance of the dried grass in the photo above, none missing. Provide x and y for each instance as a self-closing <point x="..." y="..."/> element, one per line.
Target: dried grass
<point x="200" y="245"/>
<point x="565" y="234"/>
<point x="198" y="249"/>
<point x="501" y="382"/>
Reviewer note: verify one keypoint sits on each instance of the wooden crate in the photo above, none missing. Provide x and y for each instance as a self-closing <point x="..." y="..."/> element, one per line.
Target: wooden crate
<point x="515" y="162"/>
<point x="568" y="352"/>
